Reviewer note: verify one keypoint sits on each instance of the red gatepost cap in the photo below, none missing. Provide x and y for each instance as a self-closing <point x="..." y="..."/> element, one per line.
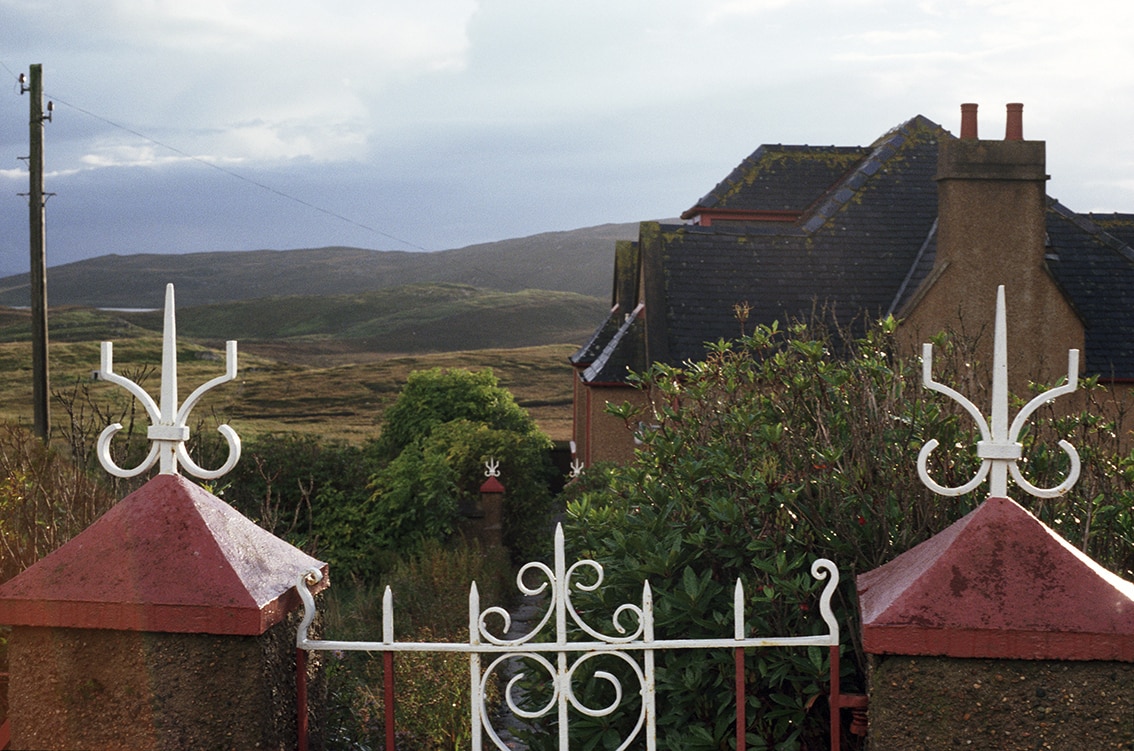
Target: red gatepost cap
<point x="997" y="583"/>
<point x="170" y="557"/>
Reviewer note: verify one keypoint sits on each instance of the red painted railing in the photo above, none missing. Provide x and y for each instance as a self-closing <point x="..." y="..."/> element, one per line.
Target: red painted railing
<point x="837" y="700"/>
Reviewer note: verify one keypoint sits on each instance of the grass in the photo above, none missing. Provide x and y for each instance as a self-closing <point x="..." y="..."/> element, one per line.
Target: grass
<point x="327" y="365"/>
<point x="343" y="400"/>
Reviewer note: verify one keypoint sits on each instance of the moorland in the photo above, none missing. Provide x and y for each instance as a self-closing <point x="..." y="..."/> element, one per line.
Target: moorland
<point x="326" y="337"/>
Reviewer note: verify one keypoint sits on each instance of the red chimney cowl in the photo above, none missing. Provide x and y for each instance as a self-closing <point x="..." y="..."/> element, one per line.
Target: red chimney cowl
<point x="1014" y="130"/>
<point x="968" y="121"/>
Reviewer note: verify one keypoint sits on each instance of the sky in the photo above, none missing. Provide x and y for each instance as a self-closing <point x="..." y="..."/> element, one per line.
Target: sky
<point x="222" y="125"/>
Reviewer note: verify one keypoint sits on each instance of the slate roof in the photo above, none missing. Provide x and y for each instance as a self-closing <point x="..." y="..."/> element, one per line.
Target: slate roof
<point x="625" y="352"/>
<point x="850" y="253"/>
<point x="599" y="340"/>
<point x="781" y="178"/>
<point x="1095" y="268"/>
<point x="861" y="247"/>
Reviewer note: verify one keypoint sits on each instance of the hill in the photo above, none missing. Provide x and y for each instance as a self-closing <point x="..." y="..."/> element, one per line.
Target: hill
<point x="410" y="319"/>
<point x="577" y="261"/>
<point x="326" y="336"/>
<point x="323" y="363"/>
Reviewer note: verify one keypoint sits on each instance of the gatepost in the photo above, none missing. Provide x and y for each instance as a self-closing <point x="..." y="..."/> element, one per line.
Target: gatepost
<point x="170" y="622"/>
<point x="485" y="521"/>
<point x="997" y="633"/>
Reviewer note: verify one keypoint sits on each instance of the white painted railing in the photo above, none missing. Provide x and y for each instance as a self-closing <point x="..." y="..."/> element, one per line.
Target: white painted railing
<point x="560" y="658"/>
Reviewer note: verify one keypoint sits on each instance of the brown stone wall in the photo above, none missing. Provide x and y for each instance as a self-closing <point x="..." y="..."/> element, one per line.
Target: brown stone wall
<point x="1041" y="325"/>
<point x="932" y="703"/>
<point x="609" y="439"/>
<point x="579" y="416"/>
<point x="98" y="689"/>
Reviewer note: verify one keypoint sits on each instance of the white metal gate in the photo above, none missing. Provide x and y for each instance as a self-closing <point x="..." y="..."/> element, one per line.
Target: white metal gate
<point x="561" y="658"/>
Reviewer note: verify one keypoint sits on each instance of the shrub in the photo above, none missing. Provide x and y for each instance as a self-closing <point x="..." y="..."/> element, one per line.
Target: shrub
<point x="434" y="444"/>
<point x="45" y="500"/>
<point x="310" y="492"/>
<point x="773" y="452"/>
<point x="437" y="396"/>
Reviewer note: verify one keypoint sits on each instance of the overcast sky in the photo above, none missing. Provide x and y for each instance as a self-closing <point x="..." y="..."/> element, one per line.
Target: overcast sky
<point x="241" y="124"/>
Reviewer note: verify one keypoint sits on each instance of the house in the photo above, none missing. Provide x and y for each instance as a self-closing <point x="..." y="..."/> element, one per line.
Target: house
<point x="921" y="224"/>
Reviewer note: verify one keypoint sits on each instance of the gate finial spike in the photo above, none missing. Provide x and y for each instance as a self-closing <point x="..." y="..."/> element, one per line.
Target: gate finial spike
<point x="999" y="448"/>
<point x="168" y="429"/>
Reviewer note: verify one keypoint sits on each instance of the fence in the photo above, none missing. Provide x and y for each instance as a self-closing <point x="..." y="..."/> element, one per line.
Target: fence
<point x="561" y="658"/>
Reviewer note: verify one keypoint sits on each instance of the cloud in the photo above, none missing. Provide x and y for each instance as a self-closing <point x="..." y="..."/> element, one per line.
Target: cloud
<point x="217" y="67"/>
<point x="447" y="122"/>
<point x="129" y="156"/>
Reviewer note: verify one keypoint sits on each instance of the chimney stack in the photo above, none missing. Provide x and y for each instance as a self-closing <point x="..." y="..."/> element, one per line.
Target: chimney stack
<point x="992" y="230"/>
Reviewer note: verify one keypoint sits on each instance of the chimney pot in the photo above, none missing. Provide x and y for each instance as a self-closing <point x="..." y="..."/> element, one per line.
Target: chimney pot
<point x="968" y="121"/>
<point x="1014" y="130"/>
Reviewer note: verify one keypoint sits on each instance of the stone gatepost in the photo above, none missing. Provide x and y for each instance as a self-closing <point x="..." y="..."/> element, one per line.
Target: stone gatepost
<point x="997" y="633"/>
<point x="485" y="522"/>
<point x="169" y="623"/>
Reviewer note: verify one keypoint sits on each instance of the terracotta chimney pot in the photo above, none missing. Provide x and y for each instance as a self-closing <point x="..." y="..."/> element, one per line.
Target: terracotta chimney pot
<point x="968" y="121"/>
<point x="1014" y="130"/>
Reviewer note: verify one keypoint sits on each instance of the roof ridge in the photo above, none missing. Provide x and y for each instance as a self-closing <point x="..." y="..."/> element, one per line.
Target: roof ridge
<point x="738" y="174"/>
<point x="843" y="191"/>
<point x="1087" y="224"/>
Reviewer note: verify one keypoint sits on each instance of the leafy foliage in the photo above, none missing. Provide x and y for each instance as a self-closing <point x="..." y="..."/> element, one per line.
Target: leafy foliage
<point x="433" y="397"/>
<point x="436" y="439"/>
<point x="309" y="492"/>
<point x="361" y="507"/>
<point x="779" y="448"/>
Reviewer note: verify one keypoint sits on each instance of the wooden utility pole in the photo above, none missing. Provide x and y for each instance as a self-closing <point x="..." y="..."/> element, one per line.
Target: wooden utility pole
<point x="38" y="272"/>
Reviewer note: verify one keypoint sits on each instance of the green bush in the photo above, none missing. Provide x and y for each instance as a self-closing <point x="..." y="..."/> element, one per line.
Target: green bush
<point x="414" y="498"/>
<point x="437" y="396"/>
<point x="773" y="452"/>
<point x="432" y="451"/>
<point x="310" y="492"/>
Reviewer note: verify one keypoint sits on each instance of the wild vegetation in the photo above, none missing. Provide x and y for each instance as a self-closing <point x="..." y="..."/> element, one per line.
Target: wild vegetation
<point x="432" y="690"/>
<point x="773" y="452"/>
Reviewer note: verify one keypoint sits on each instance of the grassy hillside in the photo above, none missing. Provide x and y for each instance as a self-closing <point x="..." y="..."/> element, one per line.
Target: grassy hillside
<point x="414" y="318"/>
<point x="340" y="401"/>
<point x="578" y="261"/>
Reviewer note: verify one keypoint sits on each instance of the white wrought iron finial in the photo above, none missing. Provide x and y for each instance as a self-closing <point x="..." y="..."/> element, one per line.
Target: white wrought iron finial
<point x="577" y="467"/>
<point x="999" y="449"/>
<point x="168" y="429"/>
<point x="492" y="468"/>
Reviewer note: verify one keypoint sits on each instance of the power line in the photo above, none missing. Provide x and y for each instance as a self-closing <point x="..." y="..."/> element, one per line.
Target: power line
<point x="237" y="175"/>
<point x="230" y="173"/>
